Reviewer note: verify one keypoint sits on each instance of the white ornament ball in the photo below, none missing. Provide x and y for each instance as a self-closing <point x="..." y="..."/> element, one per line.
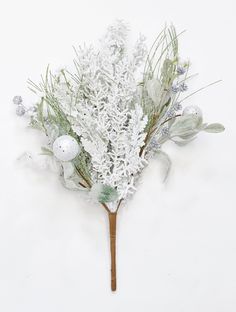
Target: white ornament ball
<point x="193" y="110"/>
<point x="65" y="148"/>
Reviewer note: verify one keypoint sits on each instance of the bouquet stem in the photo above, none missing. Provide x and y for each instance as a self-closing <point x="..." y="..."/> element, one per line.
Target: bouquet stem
<point x="112" y="227"/>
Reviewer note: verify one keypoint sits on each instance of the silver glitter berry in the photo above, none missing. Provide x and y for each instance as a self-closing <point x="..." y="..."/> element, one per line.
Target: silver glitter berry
<point x="154" y="145"/>
<point x="17" y="100"/>
<point x="175" y="88"/>
<point x="183" y="87"/>
<point x="32" y="111"/>
<point x="181" y="70"/>
<point x="170" y="113"/>
<point x="177" y="106"/>
<point x="165" y="131"/>
<point x="20" y="110"/>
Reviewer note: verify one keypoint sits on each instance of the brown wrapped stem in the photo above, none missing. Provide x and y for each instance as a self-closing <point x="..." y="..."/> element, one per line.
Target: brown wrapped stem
<point x="112" y="226"/>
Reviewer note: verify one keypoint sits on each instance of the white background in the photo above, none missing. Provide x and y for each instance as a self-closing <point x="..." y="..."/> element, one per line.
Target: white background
<point x="176" y="241"/>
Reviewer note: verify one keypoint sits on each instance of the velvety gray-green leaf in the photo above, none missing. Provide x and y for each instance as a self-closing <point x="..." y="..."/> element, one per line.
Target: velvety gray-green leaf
<point x="184" y="125"/>
<point x="46" y="151"/>
<point x="154" y="90"/>
<point x="166" y="161"/>
<point x="183" y="142"/>
<point x="190" y="135"/>
<point x="214" y="128"/>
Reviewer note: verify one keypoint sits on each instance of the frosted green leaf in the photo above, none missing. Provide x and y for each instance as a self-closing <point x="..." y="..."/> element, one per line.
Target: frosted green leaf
<point x="183" y="142"/>
<point x="107" y="194"/>
<point x="53" y="131"/>
<point x="189" y="136"/>
<point x="69" y="177"/>
<point x="103" y="193"/>
<point x="154" y="90"/>
<point x="202" y="126"/>
<point x="166" y="161"/>
<point x="46" y="151"/>
<point x="184" y="125"/>
<point x="214" y="128"/>
<point x="40" y="112"/>
<point x="68" y="169"/>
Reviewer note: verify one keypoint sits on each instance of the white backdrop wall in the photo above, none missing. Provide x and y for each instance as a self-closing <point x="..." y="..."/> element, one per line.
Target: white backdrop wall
<point x="176" y="241"/>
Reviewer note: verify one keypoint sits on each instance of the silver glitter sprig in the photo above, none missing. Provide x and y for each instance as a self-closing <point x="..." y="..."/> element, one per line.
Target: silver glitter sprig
<point x="177" y="106"/>
<point x="165" y="131"/>
<point x="181" y="70"/>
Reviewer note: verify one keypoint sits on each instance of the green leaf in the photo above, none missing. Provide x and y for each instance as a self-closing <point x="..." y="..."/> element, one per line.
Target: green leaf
<point x="35" y="124"/>
<point x="202" y="126"/>
<point x="185" y="125"/>
<point x="107" y="194"/>
<point x="214" y="128"/>
<point x="69" y="177"/>
<point x="40" y="112"/>
<point x="46" y="151"/>
<point x="183" y="142"/>
<point x="154" y="90"/>
<point x="189" y="136"/>
<point x="167" y="162"/>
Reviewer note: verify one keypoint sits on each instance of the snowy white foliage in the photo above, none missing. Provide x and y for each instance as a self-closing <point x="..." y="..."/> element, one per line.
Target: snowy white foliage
<point x="119" y="113"/>
<point x="110" y="119"/>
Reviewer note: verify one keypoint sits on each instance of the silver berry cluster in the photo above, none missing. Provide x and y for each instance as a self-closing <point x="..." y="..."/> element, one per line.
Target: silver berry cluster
<point x="20" y="109"/>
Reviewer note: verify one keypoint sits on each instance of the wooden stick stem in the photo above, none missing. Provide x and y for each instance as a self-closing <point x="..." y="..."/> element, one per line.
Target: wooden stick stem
<point x="112" y="226"/>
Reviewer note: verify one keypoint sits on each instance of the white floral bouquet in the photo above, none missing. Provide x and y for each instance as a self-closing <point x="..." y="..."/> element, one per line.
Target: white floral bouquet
<point x="112" y="112"/>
